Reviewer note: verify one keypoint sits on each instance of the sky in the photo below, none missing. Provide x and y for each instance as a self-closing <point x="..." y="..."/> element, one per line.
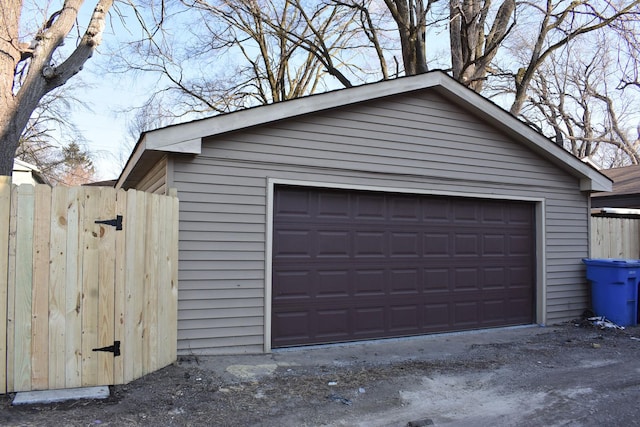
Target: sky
<point x="104" y="124"/>
<point x="105" y="127"/>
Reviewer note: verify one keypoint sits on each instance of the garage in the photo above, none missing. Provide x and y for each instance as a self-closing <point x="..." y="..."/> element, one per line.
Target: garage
<point x="404" y="207"/>
<point x="352" y="265"/>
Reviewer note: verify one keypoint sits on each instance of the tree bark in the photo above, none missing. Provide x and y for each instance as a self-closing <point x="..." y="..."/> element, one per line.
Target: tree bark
<point x="410" y="17"/>
<point x="27" y="73"/>
<point x="471" y="50"/>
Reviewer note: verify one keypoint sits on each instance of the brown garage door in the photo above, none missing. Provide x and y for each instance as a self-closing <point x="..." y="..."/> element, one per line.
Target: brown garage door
<point x="351" y="265"/>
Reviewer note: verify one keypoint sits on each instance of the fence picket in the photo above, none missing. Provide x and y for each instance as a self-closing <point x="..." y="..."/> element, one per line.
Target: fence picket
<point x="5" y="214"/>
<point x="40" y="295"/>
<point x="150" y="281"/>
<point x="69" y="285"/>
<point x="23" y="287"/>
<point x="57" y="288"/>
<point x="615" y="237"/>
<point x="73" y="291"/>
<point x="106" y="285"/>
<point x="119" y="283"/>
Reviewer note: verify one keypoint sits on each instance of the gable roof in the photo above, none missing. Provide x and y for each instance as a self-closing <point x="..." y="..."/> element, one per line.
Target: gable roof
<point x="187" y="138"/>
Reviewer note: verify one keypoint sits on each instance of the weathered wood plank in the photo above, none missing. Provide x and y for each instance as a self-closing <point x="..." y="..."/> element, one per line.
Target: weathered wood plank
<point x="57" y="288"/>
<point x="23" y="288"/>
<point x="40" y="295"/>
<point x="5" y="213"/>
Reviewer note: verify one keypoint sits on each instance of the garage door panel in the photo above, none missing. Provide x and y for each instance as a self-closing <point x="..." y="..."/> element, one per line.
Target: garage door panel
<point x="404" y="319"/>
<point x="370" y="321"/>
<point x="332" y="244"/>
<point x="436" y="280"/>
<point x="369" y="207"/>
<point x="466" y="245"/>
<point x="292" y="284"/>
<point x="292" y="244"/>
<point x="369" y="282"/>
<point x="436" y="245"/>
<point x="332" y="206"/>
<point x="437" y="211"/>
<point x="332" y="283"/>
<point x="465" y="278"/>
<point x="365" y="265"/>
<point x="293" y="204"/>
<point x="369" y="244"/>
<point x="466" y="313"/>
<point x="404" y="281"/>
<point x="404" y="244"/>
<point x="519" y="244"/>
<point x="332" y="323"/>
<point x="404" y="209"/>
<point x="494" y="245"/>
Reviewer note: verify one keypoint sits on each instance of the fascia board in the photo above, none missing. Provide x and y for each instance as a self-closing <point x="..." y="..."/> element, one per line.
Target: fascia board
<point x="182" y="137"/>
<point x="132" y="162"/>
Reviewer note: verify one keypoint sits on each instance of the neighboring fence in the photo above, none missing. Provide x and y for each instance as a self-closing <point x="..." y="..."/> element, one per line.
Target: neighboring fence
<point x="615" y="237"/>
<point x="88" y="285"/>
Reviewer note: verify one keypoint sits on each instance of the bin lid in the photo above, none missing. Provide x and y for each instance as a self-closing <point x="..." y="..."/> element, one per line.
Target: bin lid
<point x="612" y="262"/>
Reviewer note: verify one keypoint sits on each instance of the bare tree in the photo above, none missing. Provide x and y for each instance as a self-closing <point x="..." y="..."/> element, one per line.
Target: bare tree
<point x="573" y="97"/>
<point x="411" y="19"/>
<point x="48" y="131"/>
<point x="560" y="23"/>
<point x="471" y="49"/>
<point x="28" y="69"/>
<point x="271" y="51"/>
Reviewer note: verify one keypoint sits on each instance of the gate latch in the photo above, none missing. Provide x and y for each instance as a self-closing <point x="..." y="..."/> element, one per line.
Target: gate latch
<point x="115" y="349"/>
<point x="117" y="222"/>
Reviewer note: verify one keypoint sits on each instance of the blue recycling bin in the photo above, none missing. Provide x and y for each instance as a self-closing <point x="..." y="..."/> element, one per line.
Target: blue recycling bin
<point x="614" y="289"/>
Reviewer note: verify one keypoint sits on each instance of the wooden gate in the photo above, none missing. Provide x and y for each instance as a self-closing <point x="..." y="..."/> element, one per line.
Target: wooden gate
<point x="88" y="285"/>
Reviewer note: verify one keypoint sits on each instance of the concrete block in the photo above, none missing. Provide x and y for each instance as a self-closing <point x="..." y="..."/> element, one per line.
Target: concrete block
<point x="50" y="396"/>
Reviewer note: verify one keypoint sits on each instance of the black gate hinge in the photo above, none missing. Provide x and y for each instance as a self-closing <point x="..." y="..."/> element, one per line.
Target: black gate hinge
<point x="115" y="349"/>
<point x="117" y="222"/>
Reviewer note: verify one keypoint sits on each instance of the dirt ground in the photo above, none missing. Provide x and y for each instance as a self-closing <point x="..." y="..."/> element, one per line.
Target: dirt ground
<point x="569" y="375"/>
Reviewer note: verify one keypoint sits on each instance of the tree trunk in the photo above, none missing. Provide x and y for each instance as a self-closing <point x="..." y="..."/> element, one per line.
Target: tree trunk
<point x="410" y="17"/>
<point x="20" y="92"/>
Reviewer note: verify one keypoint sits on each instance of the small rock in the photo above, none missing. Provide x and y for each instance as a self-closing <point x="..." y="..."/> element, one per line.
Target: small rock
<point x="595" y="345"/>
<point x="338" y="398"/>
<point x="361" y="390"/>
<point x="332" y="383"/>
<point x="176" y="411"/>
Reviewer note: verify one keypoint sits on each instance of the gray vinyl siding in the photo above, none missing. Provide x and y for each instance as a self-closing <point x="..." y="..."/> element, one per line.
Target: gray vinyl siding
<point x="155" y="181"/>
<point x="421" y="143"/>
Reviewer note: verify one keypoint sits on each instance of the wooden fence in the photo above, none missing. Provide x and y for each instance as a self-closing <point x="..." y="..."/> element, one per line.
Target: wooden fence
<point x="88" y="285"/>
<point x="615" y="237"/>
